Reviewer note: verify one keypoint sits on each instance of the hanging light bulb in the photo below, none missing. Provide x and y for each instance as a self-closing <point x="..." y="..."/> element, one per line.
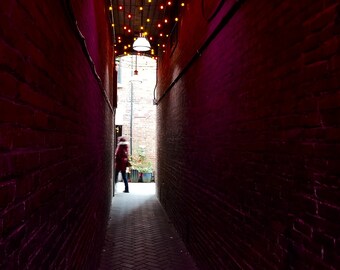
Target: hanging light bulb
<point x="141" y="44"/>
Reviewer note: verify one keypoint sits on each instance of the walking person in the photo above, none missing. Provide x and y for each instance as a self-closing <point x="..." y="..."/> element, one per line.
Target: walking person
<point x="121" y="161"/>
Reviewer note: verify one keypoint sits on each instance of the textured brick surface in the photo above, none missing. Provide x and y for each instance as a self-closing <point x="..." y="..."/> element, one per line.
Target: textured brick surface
<point x="248" y="136"/>
<point x="55" y="134"/>
<point x="139" y="234"/>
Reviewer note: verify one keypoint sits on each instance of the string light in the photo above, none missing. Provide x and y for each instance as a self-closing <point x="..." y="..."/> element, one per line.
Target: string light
<point x="163" y="24"/>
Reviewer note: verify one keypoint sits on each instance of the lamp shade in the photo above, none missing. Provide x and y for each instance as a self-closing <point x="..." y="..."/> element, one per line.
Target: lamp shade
<point x="141" y="44"/>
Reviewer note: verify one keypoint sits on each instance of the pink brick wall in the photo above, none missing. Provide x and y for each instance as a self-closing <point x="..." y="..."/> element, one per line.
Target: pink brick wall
<point x="56" y="123"/>
<point x="248" y="137"/>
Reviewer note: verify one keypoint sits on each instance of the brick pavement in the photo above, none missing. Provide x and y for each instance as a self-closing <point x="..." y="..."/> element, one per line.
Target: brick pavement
<point x="139" y="234"/>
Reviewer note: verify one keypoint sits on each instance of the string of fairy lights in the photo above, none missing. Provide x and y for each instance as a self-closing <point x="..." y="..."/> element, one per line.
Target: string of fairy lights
<point x="153" y="19"/>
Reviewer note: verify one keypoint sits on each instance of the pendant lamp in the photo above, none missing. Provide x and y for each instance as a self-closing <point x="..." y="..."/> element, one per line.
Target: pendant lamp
<point x="141" y="44"/>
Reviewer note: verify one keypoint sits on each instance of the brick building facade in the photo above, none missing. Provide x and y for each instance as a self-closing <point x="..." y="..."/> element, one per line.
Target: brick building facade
<point x="248" y="121"/>
<point x="57" y="99"/>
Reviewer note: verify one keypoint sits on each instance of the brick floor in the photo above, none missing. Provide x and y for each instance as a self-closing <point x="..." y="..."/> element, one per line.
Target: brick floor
<point x="139" y="234"/>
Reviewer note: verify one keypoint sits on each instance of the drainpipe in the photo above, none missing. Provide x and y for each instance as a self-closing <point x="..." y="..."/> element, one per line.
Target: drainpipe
<point x="131" y="114"/>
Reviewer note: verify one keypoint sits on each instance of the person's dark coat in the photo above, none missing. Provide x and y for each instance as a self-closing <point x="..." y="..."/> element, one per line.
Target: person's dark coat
<point x="121" y="156"/>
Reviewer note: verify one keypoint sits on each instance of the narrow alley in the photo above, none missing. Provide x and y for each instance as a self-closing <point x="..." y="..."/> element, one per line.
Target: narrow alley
<point x="238" y="127"/>
<point x="140" y="236"/>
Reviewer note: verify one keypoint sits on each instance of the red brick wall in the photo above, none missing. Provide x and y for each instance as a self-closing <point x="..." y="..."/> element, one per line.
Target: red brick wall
<point x="248" y="137"/>
<point x="55" y="134"/>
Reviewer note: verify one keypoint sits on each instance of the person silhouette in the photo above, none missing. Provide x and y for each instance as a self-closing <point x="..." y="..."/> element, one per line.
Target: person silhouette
<point x="121" y="161"/>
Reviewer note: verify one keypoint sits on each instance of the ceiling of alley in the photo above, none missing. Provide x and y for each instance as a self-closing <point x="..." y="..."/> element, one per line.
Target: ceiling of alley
<point x="154" y="19"/>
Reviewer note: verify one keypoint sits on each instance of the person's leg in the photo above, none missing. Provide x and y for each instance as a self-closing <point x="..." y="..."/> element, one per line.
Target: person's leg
<point x="125" y="181"/>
